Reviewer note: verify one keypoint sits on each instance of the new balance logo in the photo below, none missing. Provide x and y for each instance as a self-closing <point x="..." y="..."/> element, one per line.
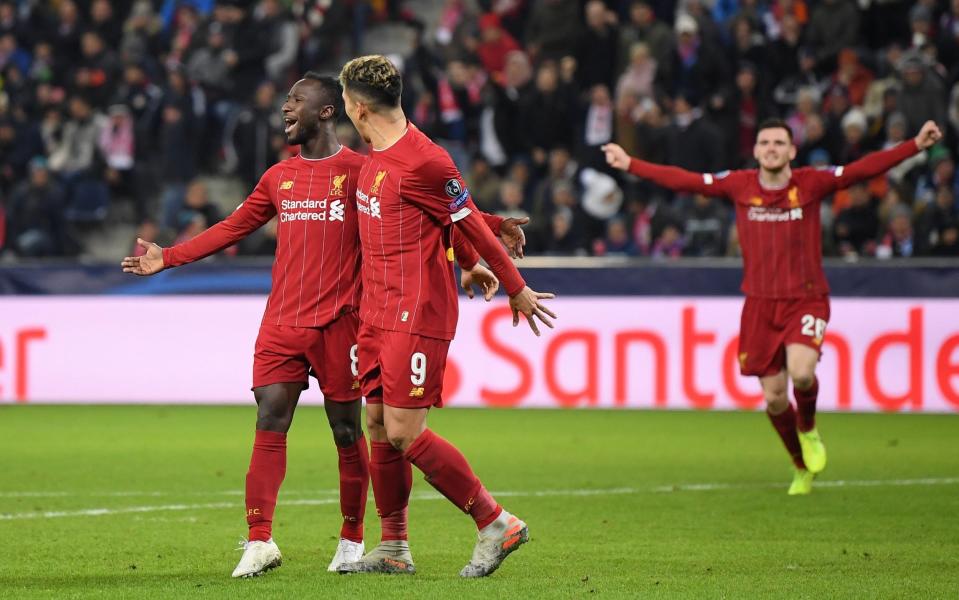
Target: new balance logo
<point x="337" y="211"/>
<point x="417" y="392"/>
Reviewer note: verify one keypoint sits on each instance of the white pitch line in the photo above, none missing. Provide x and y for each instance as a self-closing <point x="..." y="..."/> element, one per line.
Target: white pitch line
<point x="689" y="487"/>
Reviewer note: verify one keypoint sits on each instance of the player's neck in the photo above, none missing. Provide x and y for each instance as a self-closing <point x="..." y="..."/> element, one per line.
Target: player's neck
<point x="322" y="146"/>
<point x="775" y="179"/>
<point x="387" y="129"/>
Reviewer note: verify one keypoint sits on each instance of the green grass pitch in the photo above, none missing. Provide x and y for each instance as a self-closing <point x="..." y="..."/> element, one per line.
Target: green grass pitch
<point x="619" y="504"/>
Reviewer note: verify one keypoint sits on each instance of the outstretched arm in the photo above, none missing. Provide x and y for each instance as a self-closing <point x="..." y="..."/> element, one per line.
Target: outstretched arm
<point x="876" y="163"/>
<point x="673" y="178"/>
<point x="247" y="218"/>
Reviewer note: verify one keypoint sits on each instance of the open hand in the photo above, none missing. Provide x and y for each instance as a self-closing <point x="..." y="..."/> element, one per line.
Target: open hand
<point x="511" y="232"/>
<point x="528" y="302"/>
<point x="481" y="277"/>
<point x="148" y="264"/>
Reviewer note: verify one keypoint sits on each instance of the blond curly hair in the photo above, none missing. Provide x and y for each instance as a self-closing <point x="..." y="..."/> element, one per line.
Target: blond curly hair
<point x="374" y="78"/>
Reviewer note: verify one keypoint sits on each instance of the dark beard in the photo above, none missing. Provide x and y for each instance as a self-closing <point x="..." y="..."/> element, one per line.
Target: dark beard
<point x="304" y="133"/>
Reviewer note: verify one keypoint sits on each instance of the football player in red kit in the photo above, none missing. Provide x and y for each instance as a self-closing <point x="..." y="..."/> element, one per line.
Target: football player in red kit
<point x="787" y="298"/>
<point x="414" y="208"/>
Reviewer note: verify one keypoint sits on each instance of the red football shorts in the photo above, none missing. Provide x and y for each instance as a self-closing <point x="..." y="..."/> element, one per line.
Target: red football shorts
<point x="769" y="325"/>
<point x="287" y="354"/>
<point x="399" y="369"/>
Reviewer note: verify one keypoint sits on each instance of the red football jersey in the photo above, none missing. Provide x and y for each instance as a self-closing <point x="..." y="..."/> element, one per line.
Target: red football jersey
<point x="779" y="229"/>
<point x="408" y="197"/>
<point x="317" y="266"/>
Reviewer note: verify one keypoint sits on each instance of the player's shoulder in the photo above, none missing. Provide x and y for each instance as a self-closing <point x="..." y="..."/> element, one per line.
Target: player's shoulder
<point x="738" y="176"/>
<point x="350" y="158"/>
<point x="426" y="153"/>
<point x="806" y="173"/>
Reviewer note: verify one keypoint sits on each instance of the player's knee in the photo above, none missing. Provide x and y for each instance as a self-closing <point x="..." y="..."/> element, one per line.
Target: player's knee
<point x="273" y="416"/>
<point x="802" y="378"/>
<point x="777" y="401"/>
<point x="345" y="433"/>
<point x="400" y="441"/>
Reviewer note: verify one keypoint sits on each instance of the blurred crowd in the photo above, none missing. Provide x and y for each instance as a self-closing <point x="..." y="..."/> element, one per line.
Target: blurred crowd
<point x="125" y="108"/>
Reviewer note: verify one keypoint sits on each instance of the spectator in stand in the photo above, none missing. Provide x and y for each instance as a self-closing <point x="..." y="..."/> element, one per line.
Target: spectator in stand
<point x="510" y="101"/>
<point x="34" y="226"/>
<point x="669" y="244"/>
<point x="282" y="39"/>
<point x="834" y="25"/>
<point x="20" y="141"/>
<point x="551" y="26"/>
<point x="698" y="68"/>
<point x="643" y="27"/>
<point x="852" y="76"/>
<point x="597" y="126"/>
<point x="495" y="45"/>
<point x="780" y="13"/>
<point x="562" y="239"/>
<point x="549" y="113"/>
<point x="896" y="134"/>
<point x="857" y="225"/>
<point x="510" y="203"/>
<point x="197" y="204"/>
<point x="253" y="133"/>
<point x="898" y="240"/>
<point x="748" y="44"/>
<point x="692" y="142"/>
<point x="922" y="96"/>
<point x="64" y="29"/>
<point x="104" y="21"/>
<point x="483" y="184"/>
<point x="117" y="146"/>
<point x="936" y="221"/>
<point x="177" y="148"/>
<point x="598" y="47"/>
<point x="854" y="142"/>
<point x="639" y="77"/>
<point x="705" y="226"/>
<point x="617" y="242"/>
<point x="75" y="152"/>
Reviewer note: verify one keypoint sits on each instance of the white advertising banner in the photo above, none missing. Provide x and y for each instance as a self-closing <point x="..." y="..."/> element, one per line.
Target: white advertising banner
<point x="606" y="352"/>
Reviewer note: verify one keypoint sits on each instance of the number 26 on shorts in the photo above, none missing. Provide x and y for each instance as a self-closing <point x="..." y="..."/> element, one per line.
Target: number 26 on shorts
<point x="813" y="327"/>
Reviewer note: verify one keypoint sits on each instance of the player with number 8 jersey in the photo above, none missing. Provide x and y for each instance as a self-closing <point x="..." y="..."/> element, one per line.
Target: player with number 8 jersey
<point x="786" y="310"/>
<point x="310" y="323"/>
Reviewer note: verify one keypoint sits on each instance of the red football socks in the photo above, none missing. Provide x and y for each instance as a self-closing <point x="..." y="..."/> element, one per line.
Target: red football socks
<point x="785" y="425"/>
<point x="392" y="479"/>
<point x="446" y="470"/>
<point x="806" y="405"/>
<point x="267" y="469"/>
<point x="354" y="463"/>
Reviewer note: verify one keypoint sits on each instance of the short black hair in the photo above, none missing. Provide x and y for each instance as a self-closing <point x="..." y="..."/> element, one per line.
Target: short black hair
<point x="776" y="124"/>
<point x="331" y="87"/>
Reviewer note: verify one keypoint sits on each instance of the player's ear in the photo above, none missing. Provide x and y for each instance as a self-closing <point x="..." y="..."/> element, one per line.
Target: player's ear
<point x="792" y="151"/>
<point x="326" y="113"/>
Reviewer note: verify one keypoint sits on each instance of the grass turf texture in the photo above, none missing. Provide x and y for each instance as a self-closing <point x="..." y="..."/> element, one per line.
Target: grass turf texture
<point x="630" y="530"/>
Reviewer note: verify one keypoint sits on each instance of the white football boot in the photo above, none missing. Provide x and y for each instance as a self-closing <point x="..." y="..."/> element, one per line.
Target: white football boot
<point x="496" y="541"/>
<point x="258" y="558"/>
<point x="346" y="552"/>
